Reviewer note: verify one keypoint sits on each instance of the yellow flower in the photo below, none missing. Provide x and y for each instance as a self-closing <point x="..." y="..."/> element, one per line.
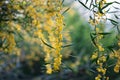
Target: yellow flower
<point x="103" y="59"/>
<point x="94" y="56"/>
<point x="112" y="55"/>
<point x="98" y="77"/>
<point x="91" y="22"/>
<point x="47" y="57"/>
<point x="11" y="42"/>
<point x="119" y="43"/>
<point x="97" y="29"/>
<point x="18" y="27"/>
<point x="107" y="78"/>
<point x="100" y="48"/>
<point x="57" y="63"/>
<point x="104" y="71"/>
<point x="117" y="68"/>
<point x="49" y="69"/>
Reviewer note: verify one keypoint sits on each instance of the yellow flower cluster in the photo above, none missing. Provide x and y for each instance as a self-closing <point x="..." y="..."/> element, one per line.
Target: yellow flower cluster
<point x="49" y="69"/>
<point x="99" y="16"/>
<point x="100" y="48"/>
<point x="10" y="42"/>
<point x="94" y="56"/>
<point x="116" y="54"/>
<point x="117" y="66"/>
<point x="57" y="62"/>
<point x="6" y="32"/>
<point x="47" y="18"/>
<point x="43" y="19"/>
<point x="58" y="40"/>
<point x="98" y="77"/>
<point x="101" y="60"/>
<point x="101" y="3"/>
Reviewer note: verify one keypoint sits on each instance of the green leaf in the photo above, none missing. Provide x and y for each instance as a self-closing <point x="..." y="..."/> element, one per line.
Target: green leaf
<point x="93" y="39"/>
<point x="91" y="3"/>
<point x="47" y="44"/>
<point x="113" y="21"/>
<point x="111" y="65"/>
<point x="116" y="2"/>
<point x="20" y="35"/>
<point x="1" y="42"/>
<point x="63" y="1"/>
<point x="99" y="8"/>
<point x="108" y="10"/>
<point x="118" y="29"/>
<point x="105" y="33"/>
<point x="91" y="70"/>
<point x="86" y="1"/>
<point x="83" y="5"/>
<point x="107" y="4"/>
<point x="67" y="45"/>
<point x="110" y="48"/>
<point x="116" y="7"/>
<point x="91" y="17"/>
<point x="66" y="10"/>
<point x="116" y="16"/>
<point x="113" y="12"/>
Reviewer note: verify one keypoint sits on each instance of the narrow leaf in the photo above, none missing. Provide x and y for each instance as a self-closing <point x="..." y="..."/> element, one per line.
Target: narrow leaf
<point x="116" y="2"/>
<point x="91" y="3"/>
<point x="86" y="1"/>
<point x="62" y="1"/>
<point x="113" y="21"/>
<point x="67" y="45"/>
<point x="118" y="29"/>
<point x="107" y="4"/>
<point x="105" y="33"/>
<point x="66" y="10"/>
<point x="47" y="44"/>
<point x="116" y="7"/>
<point x="100" y="9"/>
<point x="83" y="5"/>
<point x="116" y="16"/>
<point x="93" y="39"/>
<point x="107" y="10"/>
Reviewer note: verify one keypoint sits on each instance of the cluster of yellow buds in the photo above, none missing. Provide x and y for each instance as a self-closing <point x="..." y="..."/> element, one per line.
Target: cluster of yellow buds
<point x="98" y="77"/>
<point x="53" y="26"/>
<point x="10" y="42"/>
<point x="116" y="54"/>
<point x="41" y="16"/>
<point x="102" y="71"/>
<point x="94" y="56"/>
<point x="99" y="16"/>
<point x="119" y="43"/>
<point x="117" y="66"/>
<point x="49" y="68"/>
